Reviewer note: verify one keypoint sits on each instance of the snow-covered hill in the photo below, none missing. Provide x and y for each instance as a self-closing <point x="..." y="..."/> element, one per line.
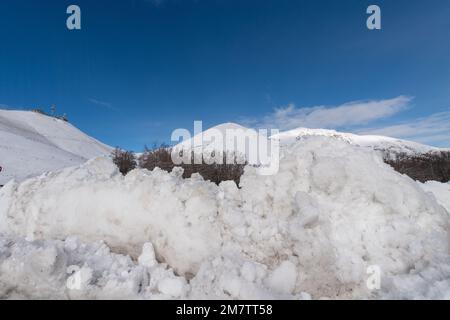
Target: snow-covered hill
<point x="207" y="137"/>
<point x="32" y="143"/>
<point x="227" y="138"/>
<point x="418" y="161"/>
<point x="389" y="146"/>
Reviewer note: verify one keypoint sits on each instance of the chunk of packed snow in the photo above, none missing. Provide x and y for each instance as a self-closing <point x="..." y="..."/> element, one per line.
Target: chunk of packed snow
<point x="147" y="258"/>
<point x="173" y="287"/>
<point x="283" y="278"/>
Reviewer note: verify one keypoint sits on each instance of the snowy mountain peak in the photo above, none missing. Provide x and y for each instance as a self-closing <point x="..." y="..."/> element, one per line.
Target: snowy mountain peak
<point x="390" y="146"/>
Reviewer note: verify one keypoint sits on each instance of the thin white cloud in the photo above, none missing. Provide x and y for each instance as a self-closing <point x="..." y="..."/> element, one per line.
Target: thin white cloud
<point x="433" y="129"/>
<point x="102" y="103"/>
<point x="359" y="117"/>
<point x="349" y="114"/>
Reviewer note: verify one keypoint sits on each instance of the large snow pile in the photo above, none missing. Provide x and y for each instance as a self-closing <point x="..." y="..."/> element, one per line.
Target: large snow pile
<point x="332" y="212"/>
<point x="32" y="143"/>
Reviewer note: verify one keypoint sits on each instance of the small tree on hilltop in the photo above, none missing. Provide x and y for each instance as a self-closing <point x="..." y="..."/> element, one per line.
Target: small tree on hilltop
<point x="124" y="160"/>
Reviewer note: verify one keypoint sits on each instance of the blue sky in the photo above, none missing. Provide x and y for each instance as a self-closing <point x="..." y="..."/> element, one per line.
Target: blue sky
<point x="138" y="69"/>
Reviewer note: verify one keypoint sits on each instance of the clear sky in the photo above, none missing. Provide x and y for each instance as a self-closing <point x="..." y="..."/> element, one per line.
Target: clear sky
<point x="140" y="68"/>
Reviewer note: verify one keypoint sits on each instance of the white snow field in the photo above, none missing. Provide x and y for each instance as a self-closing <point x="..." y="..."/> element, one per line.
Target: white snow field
<point x="313" y="230"/>
<point x="32" y="143"/>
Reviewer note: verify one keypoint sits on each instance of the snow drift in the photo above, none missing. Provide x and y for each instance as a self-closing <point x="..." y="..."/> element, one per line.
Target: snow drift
<point x="32" y="143"/>
<point x="312" y="230"/>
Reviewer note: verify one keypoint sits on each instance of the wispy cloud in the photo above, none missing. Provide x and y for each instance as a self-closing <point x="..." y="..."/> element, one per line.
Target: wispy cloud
<point x="349" y="114"/>
<point x="102" y="104"/>
<point x="433" y="129"/>
<point x="362" y="117"/>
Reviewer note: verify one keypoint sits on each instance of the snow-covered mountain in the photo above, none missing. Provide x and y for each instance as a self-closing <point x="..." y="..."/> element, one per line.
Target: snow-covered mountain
<point x="389" y="146"/>
<point x="228" y="138"/>
<point x="418" y="161"/>
<point x="33" y="143"/>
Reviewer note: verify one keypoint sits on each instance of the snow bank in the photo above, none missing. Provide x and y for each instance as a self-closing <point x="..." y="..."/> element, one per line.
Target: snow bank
<point x="441" y="191"/>
<point x="96" y="203"/>
<point x="310" y="231"/>
<point x="71" y="269"/>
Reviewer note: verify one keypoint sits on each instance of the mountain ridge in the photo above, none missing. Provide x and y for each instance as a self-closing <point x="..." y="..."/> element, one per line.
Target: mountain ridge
<point x="381" y="143"/>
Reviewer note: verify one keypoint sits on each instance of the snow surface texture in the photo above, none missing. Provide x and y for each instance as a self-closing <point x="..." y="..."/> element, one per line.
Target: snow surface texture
<point x="32" y="143"/>
<point x="440" y="190"/>
<point x="310" y="231"/>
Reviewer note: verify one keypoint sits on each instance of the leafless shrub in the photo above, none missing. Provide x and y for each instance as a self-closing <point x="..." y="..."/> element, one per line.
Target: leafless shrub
<point x="432" y="166"/>
<point x="124" y="160"/>
<point x="161" y="157"/>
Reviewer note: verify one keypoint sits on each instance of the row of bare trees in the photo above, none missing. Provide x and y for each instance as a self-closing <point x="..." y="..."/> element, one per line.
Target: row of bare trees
<point x="160" y="157"/>
<point x="423" y="168"/>
<point x="432" y="166"/>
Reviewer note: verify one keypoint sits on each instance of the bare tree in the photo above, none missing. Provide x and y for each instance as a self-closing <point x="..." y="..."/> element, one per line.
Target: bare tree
<point x="124" y="160"/>
<point x="431" y="166"/>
